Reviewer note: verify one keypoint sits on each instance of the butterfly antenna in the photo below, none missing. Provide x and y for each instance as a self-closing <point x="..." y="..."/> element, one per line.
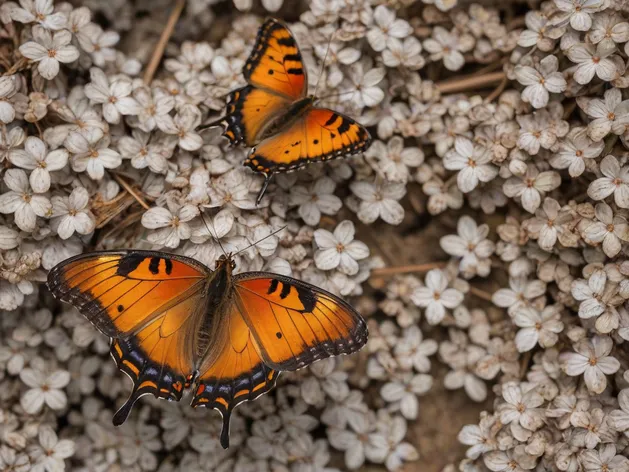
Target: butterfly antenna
<point x="213" y="234"/>
<point x="262" y="239"/>
<point x="323" y="65"/>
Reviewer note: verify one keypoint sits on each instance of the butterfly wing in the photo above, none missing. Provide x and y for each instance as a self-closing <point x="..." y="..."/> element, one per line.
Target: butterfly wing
<point x="249" y="112"/>
<point x="321" y="134"/>
<point x="233" y="371"/>
<point x="151" y="305"/>
<point x="271" y="323"/>
<point x="295" y="323"/>
<point x="275" y="64"/>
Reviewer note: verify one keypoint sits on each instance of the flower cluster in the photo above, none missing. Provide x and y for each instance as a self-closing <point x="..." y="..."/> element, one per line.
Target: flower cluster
<point x="497" y="186"/>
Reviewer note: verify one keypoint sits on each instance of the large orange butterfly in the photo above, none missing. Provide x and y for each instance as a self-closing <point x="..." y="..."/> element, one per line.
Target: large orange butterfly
<point x="176" y="324"/>
<point x="275" y="116"/>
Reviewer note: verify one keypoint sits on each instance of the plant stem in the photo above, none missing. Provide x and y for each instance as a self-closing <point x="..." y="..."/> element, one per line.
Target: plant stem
<point x="163" y="40"/>
<point x="470" y="82"/>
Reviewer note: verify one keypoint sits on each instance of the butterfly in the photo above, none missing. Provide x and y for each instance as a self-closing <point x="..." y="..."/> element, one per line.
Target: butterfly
<point x="276" y="118"/>
<point x="175" y="324"/>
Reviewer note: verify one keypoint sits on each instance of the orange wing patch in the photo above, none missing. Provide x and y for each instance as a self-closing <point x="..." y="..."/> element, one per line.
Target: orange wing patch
<point x="320" y="135"/>
<point x="294" y="323"/>
<point x="150" y="304"/>
<point x="276" y="63"/>
<point x="249" y="112"/>
<point x="232" y="371"/>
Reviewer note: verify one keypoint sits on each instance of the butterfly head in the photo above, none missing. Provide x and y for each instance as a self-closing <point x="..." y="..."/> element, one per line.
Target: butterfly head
<point x="226" y="260"/>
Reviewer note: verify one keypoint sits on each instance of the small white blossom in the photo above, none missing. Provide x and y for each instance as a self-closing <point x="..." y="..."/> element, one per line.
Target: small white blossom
<point x="592" y="360"/>
<point x="536" y="327"/>
<point x="315" y="200"/>
<point x="92" y="154"/>
<point x="39" y="11"/>
<point x="35" y="157"/>
<point x="471" y="245"/>
<point x="171" y="223"/>
<point x="339" y="249"/>
<point x="386" y="27"/>
<point x="22" y="201"/>
<point x="114" y="97"/>
<point x="615" y="181"/>
<point x="541" y="81"/>
<point x="49" y="50"/>
<point x="44" y="389"/>
<point x="71" y="214"/>
<point x="379" y="200"/>
<point x="436" y="296"/>
<point x="472" y="162"/>
<point x="592" y="61"/>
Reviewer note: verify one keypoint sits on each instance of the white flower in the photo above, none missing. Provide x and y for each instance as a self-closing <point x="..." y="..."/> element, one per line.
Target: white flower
<point x="404" y="392"/>
<point x="39" y="11"/>
<point x="339" y="249"/>
<point x="102" y="50"/>
<point x="574" y="150"/>
<point x="70" y="214"/>
<point x="44" y="389"/>
<point x="49" y="50"/>
<point x="171" y="223"/>
<point x="413" y="351"/>
<point x="541" y="81"/>
<point x="604" y="460"/>
<point x="406" y="54"/>
<point x="548" y="224"/>
<point x="354" y="442"/>
<point x="521" y="407"/>
<point x="436" y="296"/>
<point x="539" y="32"/>
<point x="619" y="419"/>
<point x="315" y="200"/>
<point x="519" y="294"/>
<point x="36" y="157"/>
<point x="386" y="446"/>
<point x="386" y="27"/>
<point x="594" y="295"/>
<point x="379" y="200"/>
<point x="479" y="436"/>
<point x="8" y="88"/>
<point x="537" y="327"/>
<point x="114" y="97"/>
<point x="531" y="186"/>
<point x="610" y="114"/>
<point x="11" y="460"/>
<point x="610" y="229"/>
<point x="51" y="452"/>
<point x="471" y="245"/>
<point x="593" y="360"/>
<point x="183" y="126"/>
<point x="20" y="200"/>
<point x="578" y="12"/>
<point x="449" y="47"/>
<point x="592" y="61"/>
<point x="609" y="27"/>
<point x="92" y="154"/>
<point x="615" y="181"/>
<point x="143" y="153"/>
<point x="364" y="90"/>
<point x="472" y="162"/>
<point x="393" y="159"/>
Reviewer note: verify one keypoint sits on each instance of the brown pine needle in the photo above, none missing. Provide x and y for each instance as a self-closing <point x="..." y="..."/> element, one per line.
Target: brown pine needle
<point x="163" y="40"/>
<point x="482" y="294"/>
<point x="407" y="269"/>
<point x="132" y="192"/>
<point x="473" y="82"/>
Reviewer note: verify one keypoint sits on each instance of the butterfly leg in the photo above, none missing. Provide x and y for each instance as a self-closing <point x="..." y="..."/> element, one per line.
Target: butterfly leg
<point x="267" y="181"/>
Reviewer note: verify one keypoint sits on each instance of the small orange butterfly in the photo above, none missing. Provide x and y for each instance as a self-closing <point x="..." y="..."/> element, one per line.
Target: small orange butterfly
<point x="176" y="324"/>
<point x="275" y="116"/>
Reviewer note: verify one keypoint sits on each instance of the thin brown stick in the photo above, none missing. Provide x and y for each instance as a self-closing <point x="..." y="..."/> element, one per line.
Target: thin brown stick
<point x="477" y="292"/>
<point x="132" y="192"/>
<point x="470" y="83"/>
<point x="163" y="40"/>
<point x="496" y="93"/>
<point x="407" y="269"/>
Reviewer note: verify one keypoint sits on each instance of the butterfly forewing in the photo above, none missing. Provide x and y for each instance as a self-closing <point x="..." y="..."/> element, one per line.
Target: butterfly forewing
<point x="275" y="63"/>
<point x="151" y="304"/>
<point x="296" y="323"/>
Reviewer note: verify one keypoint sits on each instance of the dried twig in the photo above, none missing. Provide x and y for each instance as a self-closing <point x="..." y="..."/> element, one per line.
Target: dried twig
<point x="132" y="192"/>
<point x="470" y="82"/>
<point x="407" y="269"/>
<point x="482" y="294"/>
<point x="496" y="93"/>
<point x="163" y="40"/>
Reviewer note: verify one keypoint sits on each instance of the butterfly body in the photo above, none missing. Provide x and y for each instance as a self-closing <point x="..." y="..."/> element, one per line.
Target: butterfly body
<point x="274" y="115"/>
<point x="175" y="324"/>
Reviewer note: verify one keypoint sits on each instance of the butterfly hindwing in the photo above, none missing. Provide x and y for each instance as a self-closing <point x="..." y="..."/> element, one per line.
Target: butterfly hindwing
<point x="249" y="112"/>
<point x="233" y="371"/>
<point x="151" y="305"/>
<point x="321" y="134"/>
<point x="275" y="63"/>
<point x="295" y="323"/>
